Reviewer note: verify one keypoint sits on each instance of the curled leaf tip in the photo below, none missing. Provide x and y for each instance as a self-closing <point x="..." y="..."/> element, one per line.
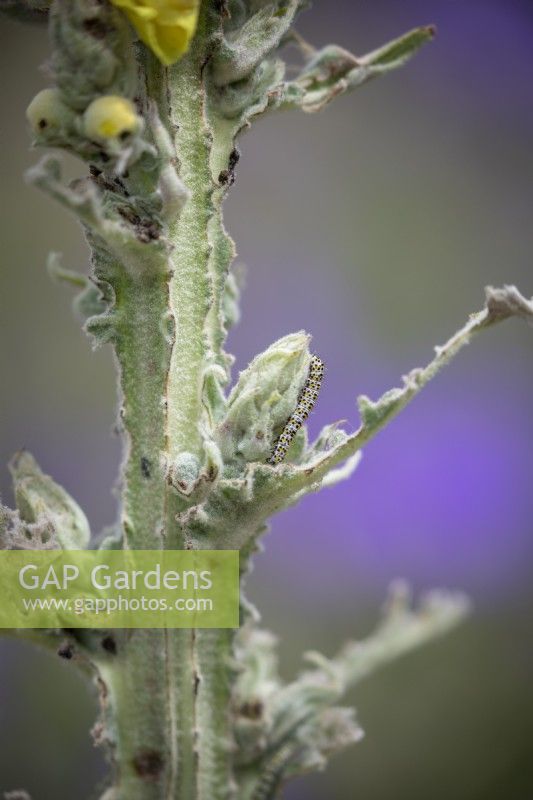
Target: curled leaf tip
<point x="165" y="26"/>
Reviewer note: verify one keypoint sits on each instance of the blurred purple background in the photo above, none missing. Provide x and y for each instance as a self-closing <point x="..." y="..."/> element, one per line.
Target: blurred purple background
<point x="375" y="226"/>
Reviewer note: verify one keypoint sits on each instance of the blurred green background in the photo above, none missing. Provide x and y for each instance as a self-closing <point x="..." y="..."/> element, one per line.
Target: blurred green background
<point x="374" y="225"/>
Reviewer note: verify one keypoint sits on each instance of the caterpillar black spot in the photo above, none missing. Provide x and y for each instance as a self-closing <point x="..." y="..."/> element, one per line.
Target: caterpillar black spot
<point x="305" y="405"/>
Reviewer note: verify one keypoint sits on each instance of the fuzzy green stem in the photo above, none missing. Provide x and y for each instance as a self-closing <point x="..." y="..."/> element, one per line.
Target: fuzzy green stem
<point x="169" y="691"/>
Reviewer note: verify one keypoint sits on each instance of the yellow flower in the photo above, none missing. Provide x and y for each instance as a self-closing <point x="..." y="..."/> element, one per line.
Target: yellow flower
<point x="165" y="26"/>
<point x="111" y="117"/>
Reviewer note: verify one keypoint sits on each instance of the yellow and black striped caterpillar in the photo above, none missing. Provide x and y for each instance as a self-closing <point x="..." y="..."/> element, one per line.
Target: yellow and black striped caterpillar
<point x="305" y="405"/>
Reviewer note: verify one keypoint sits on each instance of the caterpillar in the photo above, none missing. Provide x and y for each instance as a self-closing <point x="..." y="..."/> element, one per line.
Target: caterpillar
<point x="272" y="773"/>
<point x="306" y="401"/>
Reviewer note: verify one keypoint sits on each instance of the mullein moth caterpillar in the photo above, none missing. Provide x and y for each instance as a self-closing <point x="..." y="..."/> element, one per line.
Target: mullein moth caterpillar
<point x="305" y="405"/>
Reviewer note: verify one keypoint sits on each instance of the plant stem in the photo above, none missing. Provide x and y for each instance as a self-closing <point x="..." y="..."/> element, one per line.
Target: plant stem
<point x="167" y="707"/>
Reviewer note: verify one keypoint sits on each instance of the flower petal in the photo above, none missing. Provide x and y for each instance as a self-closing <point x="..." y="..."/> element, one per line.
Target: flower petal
<point x="165" y="26"/>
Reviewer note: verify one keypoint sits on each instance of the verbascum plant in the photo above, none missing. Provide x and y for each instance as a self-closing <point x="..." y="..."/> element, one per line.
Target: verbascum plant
<point x="153" y="95"/>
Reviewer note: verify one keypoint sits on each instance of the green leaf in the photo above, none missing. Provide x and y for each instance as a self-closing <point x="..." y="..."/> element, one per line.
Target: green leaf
<point x="39" y="499"/>
<point x="334" y="71"/>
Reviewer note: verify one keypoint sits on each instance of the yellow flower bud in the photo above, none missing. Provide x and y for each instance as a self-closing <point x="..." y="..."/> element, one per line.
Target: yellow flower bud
<point x="111" y="117"/>
<point x="47" y="113"/>
<point x="165" y="26"/>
